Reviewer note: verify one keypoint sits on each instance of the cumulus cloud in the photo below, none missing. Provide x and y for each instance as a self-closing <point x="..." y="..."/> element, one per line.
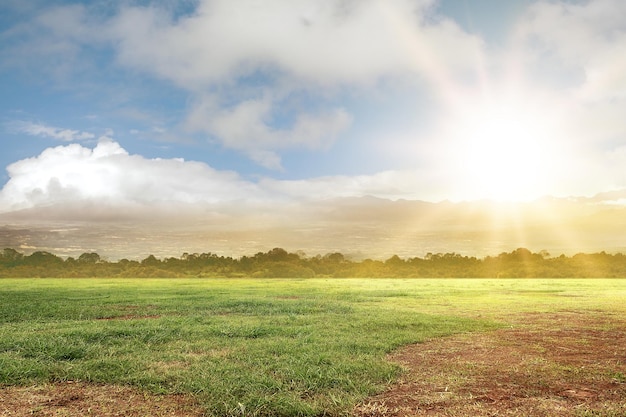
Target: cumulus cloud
<point x="108" y="174"/>
<point x="42" y="130"/>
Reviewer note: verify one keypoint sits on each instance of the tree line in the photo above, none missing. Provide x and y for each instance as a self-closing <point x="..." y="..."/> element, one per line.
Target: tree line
<point x="279" y="263"/>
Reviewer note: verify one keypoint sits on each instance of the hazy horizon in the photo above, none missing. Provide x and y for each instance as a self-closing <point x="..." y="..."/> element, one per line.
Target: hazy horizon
<point x="369" y="128"/>
<point x="359" y="228"/>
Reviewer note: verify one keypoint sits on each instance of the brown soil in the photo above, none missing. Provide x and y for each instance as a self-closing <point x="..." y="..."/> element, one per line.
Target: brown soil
<point x="73" y="399"/>
<point x="566" y="364"/>
<point x="130" y="317"/>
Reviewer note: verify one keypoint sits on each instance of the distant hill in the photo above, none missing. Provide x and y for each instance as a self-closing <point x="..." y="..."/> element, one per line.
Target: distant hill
<point x="359" y="227"/>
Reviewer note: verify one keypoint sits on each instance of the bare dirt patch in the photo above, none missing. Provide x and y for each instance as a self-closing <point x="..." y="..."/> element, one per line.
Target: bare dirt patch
<point x="74" y="399"/>
<point x="566" y="364"/>
<point x="130" y="317"/>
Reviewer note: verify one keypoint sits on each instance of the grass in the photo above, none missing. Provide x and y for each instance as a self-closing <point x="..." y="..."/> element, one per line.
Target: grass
<point x="255" y="347"/>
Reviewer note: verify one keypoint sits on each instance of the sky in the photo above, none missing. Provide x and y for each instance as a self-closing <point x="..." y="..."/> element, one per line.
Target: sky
<point x="253" y="109"/>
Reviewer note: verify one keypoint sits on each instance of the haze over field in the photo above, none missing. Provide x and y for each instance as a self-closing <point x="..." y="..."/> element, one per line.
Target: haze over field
<point x="366" y="127"/>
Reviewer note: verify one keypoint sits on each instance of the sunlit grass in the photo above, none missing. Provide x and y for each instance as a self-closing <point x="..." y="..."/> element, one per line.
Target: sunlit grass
<point x="255" y="347"/>
<point x="240" y="346"/>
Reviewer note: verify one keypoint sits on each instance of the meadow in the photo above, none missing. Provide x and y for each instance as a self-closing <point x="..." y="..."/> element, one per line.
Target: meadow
<point x="263" y="347"/>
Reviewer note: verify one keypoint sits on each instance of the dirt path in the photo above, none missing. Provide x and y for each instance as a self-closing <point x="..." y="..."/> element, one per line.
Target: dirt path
<point x="566" y="364"/>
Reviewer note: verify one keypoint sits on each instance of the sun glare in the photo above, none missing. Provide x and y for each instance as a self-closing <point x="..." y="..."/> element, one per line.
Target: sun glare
<point x="502" y="153"/>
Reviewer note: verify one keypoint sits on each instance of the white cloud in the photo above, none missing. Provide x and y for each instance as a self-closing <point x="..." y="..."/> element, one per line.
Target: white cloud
<point x="225" y="40"/>
<point x="245" y="128"/>
<point x="329" y="42"/>
<point x="240" y="51"/>
<point x="108" y="174"/>
<point x="317" y="43"/>
<point x="42" y="130"/>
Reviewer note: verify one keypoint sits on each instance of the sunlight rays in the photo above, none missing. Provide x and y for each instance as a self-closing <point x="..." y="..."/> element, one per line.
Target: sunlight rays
<point x="502" y="143"/>
<point x="498" y="137"/>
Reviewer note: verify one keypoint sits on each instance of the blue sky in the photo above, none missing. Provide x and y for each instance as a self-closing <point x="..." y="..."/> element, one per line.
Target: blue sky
<point x="282" y="101"/>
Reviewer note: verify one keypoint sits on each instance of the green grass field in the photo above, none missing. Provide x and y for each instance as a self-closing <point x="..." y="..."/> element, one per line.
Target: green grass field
<point x="256" y="347"/>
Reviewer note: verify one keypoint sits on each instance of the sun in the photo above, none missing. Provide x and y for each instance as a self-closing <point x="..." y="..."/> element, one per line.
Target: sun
<point x="503" y="152"/>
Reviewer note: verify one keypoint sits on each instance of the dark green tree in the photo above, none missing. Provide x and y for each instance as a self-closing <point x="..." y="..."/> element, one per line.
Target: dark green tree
<point x="89" y="258"/>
